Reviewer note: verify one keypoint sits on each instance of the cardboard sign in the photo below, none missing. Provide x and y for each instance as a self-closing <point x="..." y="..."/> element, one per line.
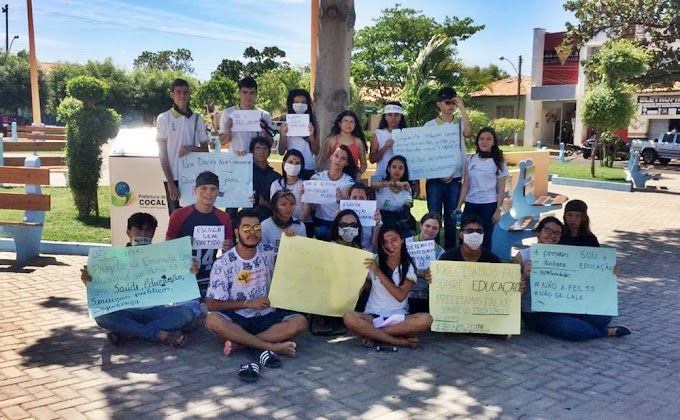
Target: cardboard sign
<point x="431" y="152"/>
<point x="246" y="120"/>
<point x="208" y="237"/>
<point x="365" y="209"/>
<point x="234" y="172"/>
<point x="298" y="125"/>
<point x="319" y="192"/>
<point x="422" y="253"/>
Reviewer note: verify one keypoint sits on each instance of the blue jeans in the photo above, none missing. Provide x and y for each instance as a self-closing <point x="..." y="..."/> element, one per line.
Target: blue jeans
<point x="573" y="327"/>
<point x="485" y="212"/>
<point x="441" y="194"/>
<point x="147" y="323"/>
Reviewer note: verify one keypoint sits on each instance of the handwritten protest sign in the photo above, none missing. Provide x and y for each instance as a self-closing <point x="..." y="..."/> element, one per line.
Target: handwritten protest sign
<point x="422" y="253"/>
<point x="208" y="237"/>
<point x="298" y="125"/>
<point x="137" y="276"/>
<point x="573" y="279"/>
<point x="235" y="174"/>
<point x="246" y="120"/>
<point x="319" y="192"/>
<point x="365" y="209"/>
<point x="432" y="152"/>
<point x="472" y="297"/>
<point x="317" y="277"/>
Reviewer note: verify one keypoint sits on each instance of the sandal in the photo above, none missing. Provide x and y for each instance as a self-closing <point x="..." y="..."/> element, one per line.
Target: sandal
<point x="621" y="330"/>
<point x="269" y="359"/>
<point x="176" y="339"/>
<point x="249" y="372"/>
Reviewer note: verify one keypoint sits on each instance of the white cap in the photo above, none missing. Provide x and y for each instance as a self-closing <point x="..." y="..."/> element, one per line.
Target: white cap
<point x="393" y="109"/>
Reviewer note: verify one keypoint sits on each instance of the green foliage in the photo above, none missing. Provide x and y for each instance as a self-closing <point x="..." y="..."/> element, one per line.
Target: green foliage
<point x="218" y="92"/>
<point x="88" y="127"/>
<point x="151" y="92"/>
<point x="506" y="127"/>
<point x="230" y="69"/>
<point x="384" y="51"/>
<point x="607" y="108"/>
<point x="15" y="82"/>
<point x="654" y="23"/>
<point x="179" y="60"/>
<point x="257" y="64"/>
<point x="617" y="61"/>
<point x="475" y="78"/>
<point x="478" y="120"/>
<point x="273" y="87"/>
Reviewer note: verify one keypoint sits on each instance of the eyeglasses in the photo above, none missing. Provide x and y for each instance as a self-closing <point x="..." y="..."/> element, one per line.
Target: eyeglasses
<point x="551" y="232"/>
<point x="450" y="102"/>
<point x="248" y="228"/>
<point x="350" y="225"/>
<point x="480" y="231"/>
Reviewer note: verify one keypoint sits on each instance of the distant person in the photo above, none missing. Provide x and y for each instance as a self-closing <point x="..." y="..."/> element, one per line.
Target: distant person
<point x="444" y="192"/>
<point x="202" y="213"/>
<point x="300" y="102"/>
<point x="179" y="131"/>
<point x="162" y="323"/>
<point x="239" y="142"/>
<point x="483" y="189"/>
<point x="346" y="131"/>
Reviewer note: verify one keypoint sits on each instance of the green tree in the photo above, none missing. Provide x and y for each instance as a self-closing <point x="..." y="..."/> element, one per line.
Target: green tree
<point x="151" y="91"/>
<point x="261" y="62"/>
<point x="273" y="87"/>
<point x="655" y="25"/>
<point x="218" y="92"/>
<point x="178" y="60"/>
<point x="384" y="51"/>
<point x="608" y="104"/>
<point x="506" y="127"/>
<point x="15" y="82"/>
<point x="231" y="69"/>
<point x="88" y="127"/>
<point x="475" y="78"/>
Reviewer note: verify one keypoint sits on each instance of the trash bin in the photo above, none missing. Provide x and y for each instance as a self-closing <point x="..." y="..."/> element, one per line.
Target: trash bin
<point x="136" y="181"/>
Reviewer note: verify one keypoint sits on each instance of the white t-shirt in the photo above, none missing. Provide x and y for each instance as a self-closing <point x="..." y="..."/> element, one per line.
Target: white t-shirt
<point x="380" y="301"/>
<point x="296" y="189"/>
<point x="177" y="131"/>
<point x="328" y="211"/>
<point x="303" y="146"/>
<point x="483" y="179"/>
<point x="456" y="167"/>
<point x="386" y="199"/>
<point x="271" y="234"/>
<point x="233" y="278"/>
<point x="242" y="139"/>
<point x="382" y="135"/>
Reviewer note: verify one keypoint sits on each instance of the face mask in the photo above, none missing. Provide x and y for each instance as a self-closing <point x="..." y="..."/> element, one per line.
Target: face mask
<point x="300" y="108"/>
<point x="348" y="233"/>
<point x="473" y="240"/>
<point x="292" y="170"/>
<point x="140" y="240"/>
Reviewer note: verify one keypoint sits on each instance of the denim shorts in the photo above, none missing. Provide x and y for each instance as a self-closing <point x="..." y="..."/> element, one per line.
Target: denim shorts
<point x="258" y="324"/>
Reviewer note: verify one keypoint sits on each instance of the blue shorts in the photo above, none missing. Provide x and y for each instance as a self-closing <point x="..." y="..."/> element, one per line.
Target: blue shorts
<point x="258" y="324"/>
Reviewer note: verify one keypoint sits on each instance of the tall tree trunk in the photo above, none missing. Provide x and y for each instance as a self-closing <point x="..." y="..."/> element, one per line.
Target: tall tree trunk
<point x="331" y="89"/>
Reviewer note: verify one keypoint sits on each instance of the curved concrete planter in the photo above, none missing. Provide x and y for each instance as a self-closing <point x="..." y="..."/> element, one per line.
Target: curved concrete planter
<point x="588" y="183"/>
<point x="52" y="247"/>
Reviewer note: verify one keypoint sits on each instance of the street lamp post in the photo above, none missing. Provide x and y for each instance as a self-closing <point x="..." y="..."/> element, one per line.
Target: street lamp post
<point x="519" y="80"/>
<point x="12" y="43"/>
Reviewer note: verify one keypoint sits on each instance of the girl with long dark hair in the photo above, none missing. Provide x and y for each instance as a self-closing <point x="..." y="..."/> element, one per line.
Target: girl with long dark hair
<point x="300" y="102"/>
<point x="346" y="131"/>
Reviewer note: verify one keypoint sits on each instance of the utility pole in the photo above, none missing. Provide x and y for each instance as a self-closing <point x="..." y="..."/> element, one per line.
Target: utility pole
<point x="519" y="84"/>
<point x="5" y="10"/>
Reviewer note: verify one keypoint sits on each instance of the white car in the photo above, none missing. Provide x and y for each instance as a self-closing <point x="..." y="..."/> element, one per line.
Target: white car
<point x="664" y="148"/>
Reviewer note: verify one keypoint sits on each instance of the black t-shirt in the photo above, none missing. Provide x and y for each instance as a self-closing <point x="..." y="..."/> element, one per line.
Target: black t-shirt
<point x="583" y="240"/>
<point x="456" y="254"/>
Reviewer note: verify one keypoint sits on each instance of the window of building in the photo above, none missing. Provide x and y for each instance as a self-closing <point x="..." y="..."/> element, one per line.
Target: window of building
<point x="507" y="111"/>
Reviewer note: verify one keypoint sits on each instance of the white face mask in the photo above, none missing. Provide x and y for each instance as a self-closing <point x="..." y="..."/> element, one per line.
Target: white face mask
<point x="300" y="108"/>
<point x="348" y="233"/>
<point x="292" y="170"/>
<point x="473" y="240"/>
<point x="140" y="240"/>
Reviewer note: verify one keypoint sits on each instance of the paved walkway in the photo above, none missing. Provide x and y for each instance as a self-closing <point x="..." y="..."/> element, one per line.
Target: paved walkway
<point x="55" y="362"/>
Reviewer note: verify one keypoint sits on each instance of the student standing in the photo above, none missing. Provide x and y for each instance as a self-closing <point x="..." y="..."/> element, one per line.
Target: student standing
<point x="299" y="102"/>
<point x="179" y="131"/>
<point x="291" y="168"/>
<point x="346" y="131"/>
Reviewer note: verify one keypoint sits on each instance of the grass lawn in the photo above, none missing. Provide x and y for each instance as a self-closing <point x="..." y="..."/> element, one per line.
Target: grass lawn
<point x="571" y="170"/>
<point x="62" y="223"/>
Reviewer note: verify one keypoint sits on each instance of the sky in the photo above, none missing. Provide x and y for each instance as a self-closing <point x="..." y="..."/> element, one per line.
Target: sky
<point x="79" y="30"/>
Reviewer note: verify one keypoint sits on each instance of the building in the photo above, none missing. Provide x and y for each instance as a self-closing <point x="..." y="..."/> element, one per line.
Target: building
<point x="499" y="99"/>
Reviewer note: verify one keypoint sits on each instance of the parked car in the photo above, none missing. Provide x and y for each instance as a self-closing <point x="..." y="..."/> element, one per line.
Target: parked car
<point x="664" y="148"/>
<point x="587" y="150"/>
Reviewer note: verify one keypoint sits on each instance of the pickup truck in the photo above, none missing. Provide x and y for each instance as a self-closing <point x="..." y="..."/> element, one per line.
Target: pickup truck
<point x="664" y="148"/>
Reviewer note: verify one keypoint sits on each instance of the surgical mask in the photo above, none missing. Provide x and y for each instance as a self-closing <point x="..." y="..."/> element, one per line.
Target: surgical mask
<point x="140" y="240"/>
<point x="473" y="240"/>
<point x="300" y="108"/>
<point x="348" y="233"/>
<point x="292" y="170"/>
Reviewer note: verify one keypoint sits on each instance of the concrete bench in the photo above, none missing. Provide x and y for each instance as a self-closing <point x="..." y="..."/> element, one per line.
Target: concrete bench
<point x="35" y="140"/>
<point x="28" y="233"/>
<point x="634" y="173"/>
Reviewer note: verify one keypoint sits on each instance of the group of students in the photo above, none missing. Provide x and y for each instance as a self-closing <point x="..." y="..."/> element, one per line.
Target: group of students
<point x="395" y="304"/>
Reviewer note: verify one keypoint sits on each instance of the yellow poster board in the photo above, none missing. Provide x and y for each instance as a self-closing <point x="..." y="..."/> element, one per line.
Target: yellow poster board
<point x="317" y="277"/>
<point x="470" y="297"/>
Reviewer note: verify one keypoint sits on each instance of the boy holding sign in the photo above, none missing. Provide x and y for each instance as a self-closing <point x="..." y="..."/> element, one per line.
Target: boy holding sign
<point x="200" y="221"/>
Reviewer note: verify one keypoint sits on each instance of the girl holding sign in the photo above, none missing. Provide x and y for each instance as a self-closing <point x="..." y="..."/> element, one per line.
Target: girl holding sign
<point x="346" y="131"/>
<point x="393" y="196"/>
<point x="293" y="162"/>
<point x="369" y="237"/>
<point x="574" y="327"/>
<point x="282" y="221"/>
<point x="419" y="296"/>
<point x="391" y="275"/>
<point x="300" y="102"/>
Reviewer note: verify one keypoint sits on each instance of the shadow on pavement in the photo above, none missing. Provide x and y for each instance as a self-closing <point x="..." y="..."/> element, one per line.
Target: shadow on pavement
<point x="13" y="266"/>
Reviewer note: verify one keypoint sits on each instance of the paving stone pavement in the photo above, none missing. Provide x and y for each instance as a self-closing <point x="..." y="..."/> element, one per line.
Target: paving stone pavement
<point x="56" y="363"/>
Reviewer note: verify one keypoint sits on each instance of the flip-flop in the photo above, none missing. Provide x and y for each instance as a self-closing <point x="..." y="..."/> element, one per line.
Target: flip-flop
<point x="270" y="359"/>
<point x="249" y="372"/>
<point x="176" y="339"/>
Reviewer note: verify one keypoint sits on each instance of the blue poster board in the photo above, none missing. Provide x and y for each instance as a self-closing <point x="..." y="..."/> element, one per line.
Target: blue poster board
<point x="235" y="174"/>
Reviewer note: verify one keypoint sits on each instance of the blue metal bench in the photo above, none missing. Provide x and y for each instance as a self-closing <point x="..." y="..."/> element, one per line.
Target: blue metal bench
<point x="638" y="176"/>
<point x="28" y="233"/>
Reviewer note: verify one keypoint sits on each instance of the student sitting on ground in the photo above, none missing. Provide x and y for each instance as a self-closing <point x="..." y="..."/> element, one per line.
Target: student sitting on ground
<point x="369" y="236"/>
<point x="240" y="312"/>
<point x="391" y="275"/>
<point x="419" y="296"/>
<point x="163" y="323"/>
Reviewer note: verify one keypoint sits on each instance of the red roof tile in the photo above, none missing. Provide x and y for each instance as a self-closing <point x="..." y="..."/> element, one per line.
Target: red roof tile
<point x="505" y="87"/>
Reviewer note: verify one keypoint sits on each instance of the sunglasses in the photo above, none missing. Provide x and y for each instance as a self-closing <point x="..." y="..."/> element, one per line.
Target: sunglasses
<point x="248" y="228"/>
<point x="450" y="102"/>
<point x="480" y="231"/>
<point x="350" y="225"/>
